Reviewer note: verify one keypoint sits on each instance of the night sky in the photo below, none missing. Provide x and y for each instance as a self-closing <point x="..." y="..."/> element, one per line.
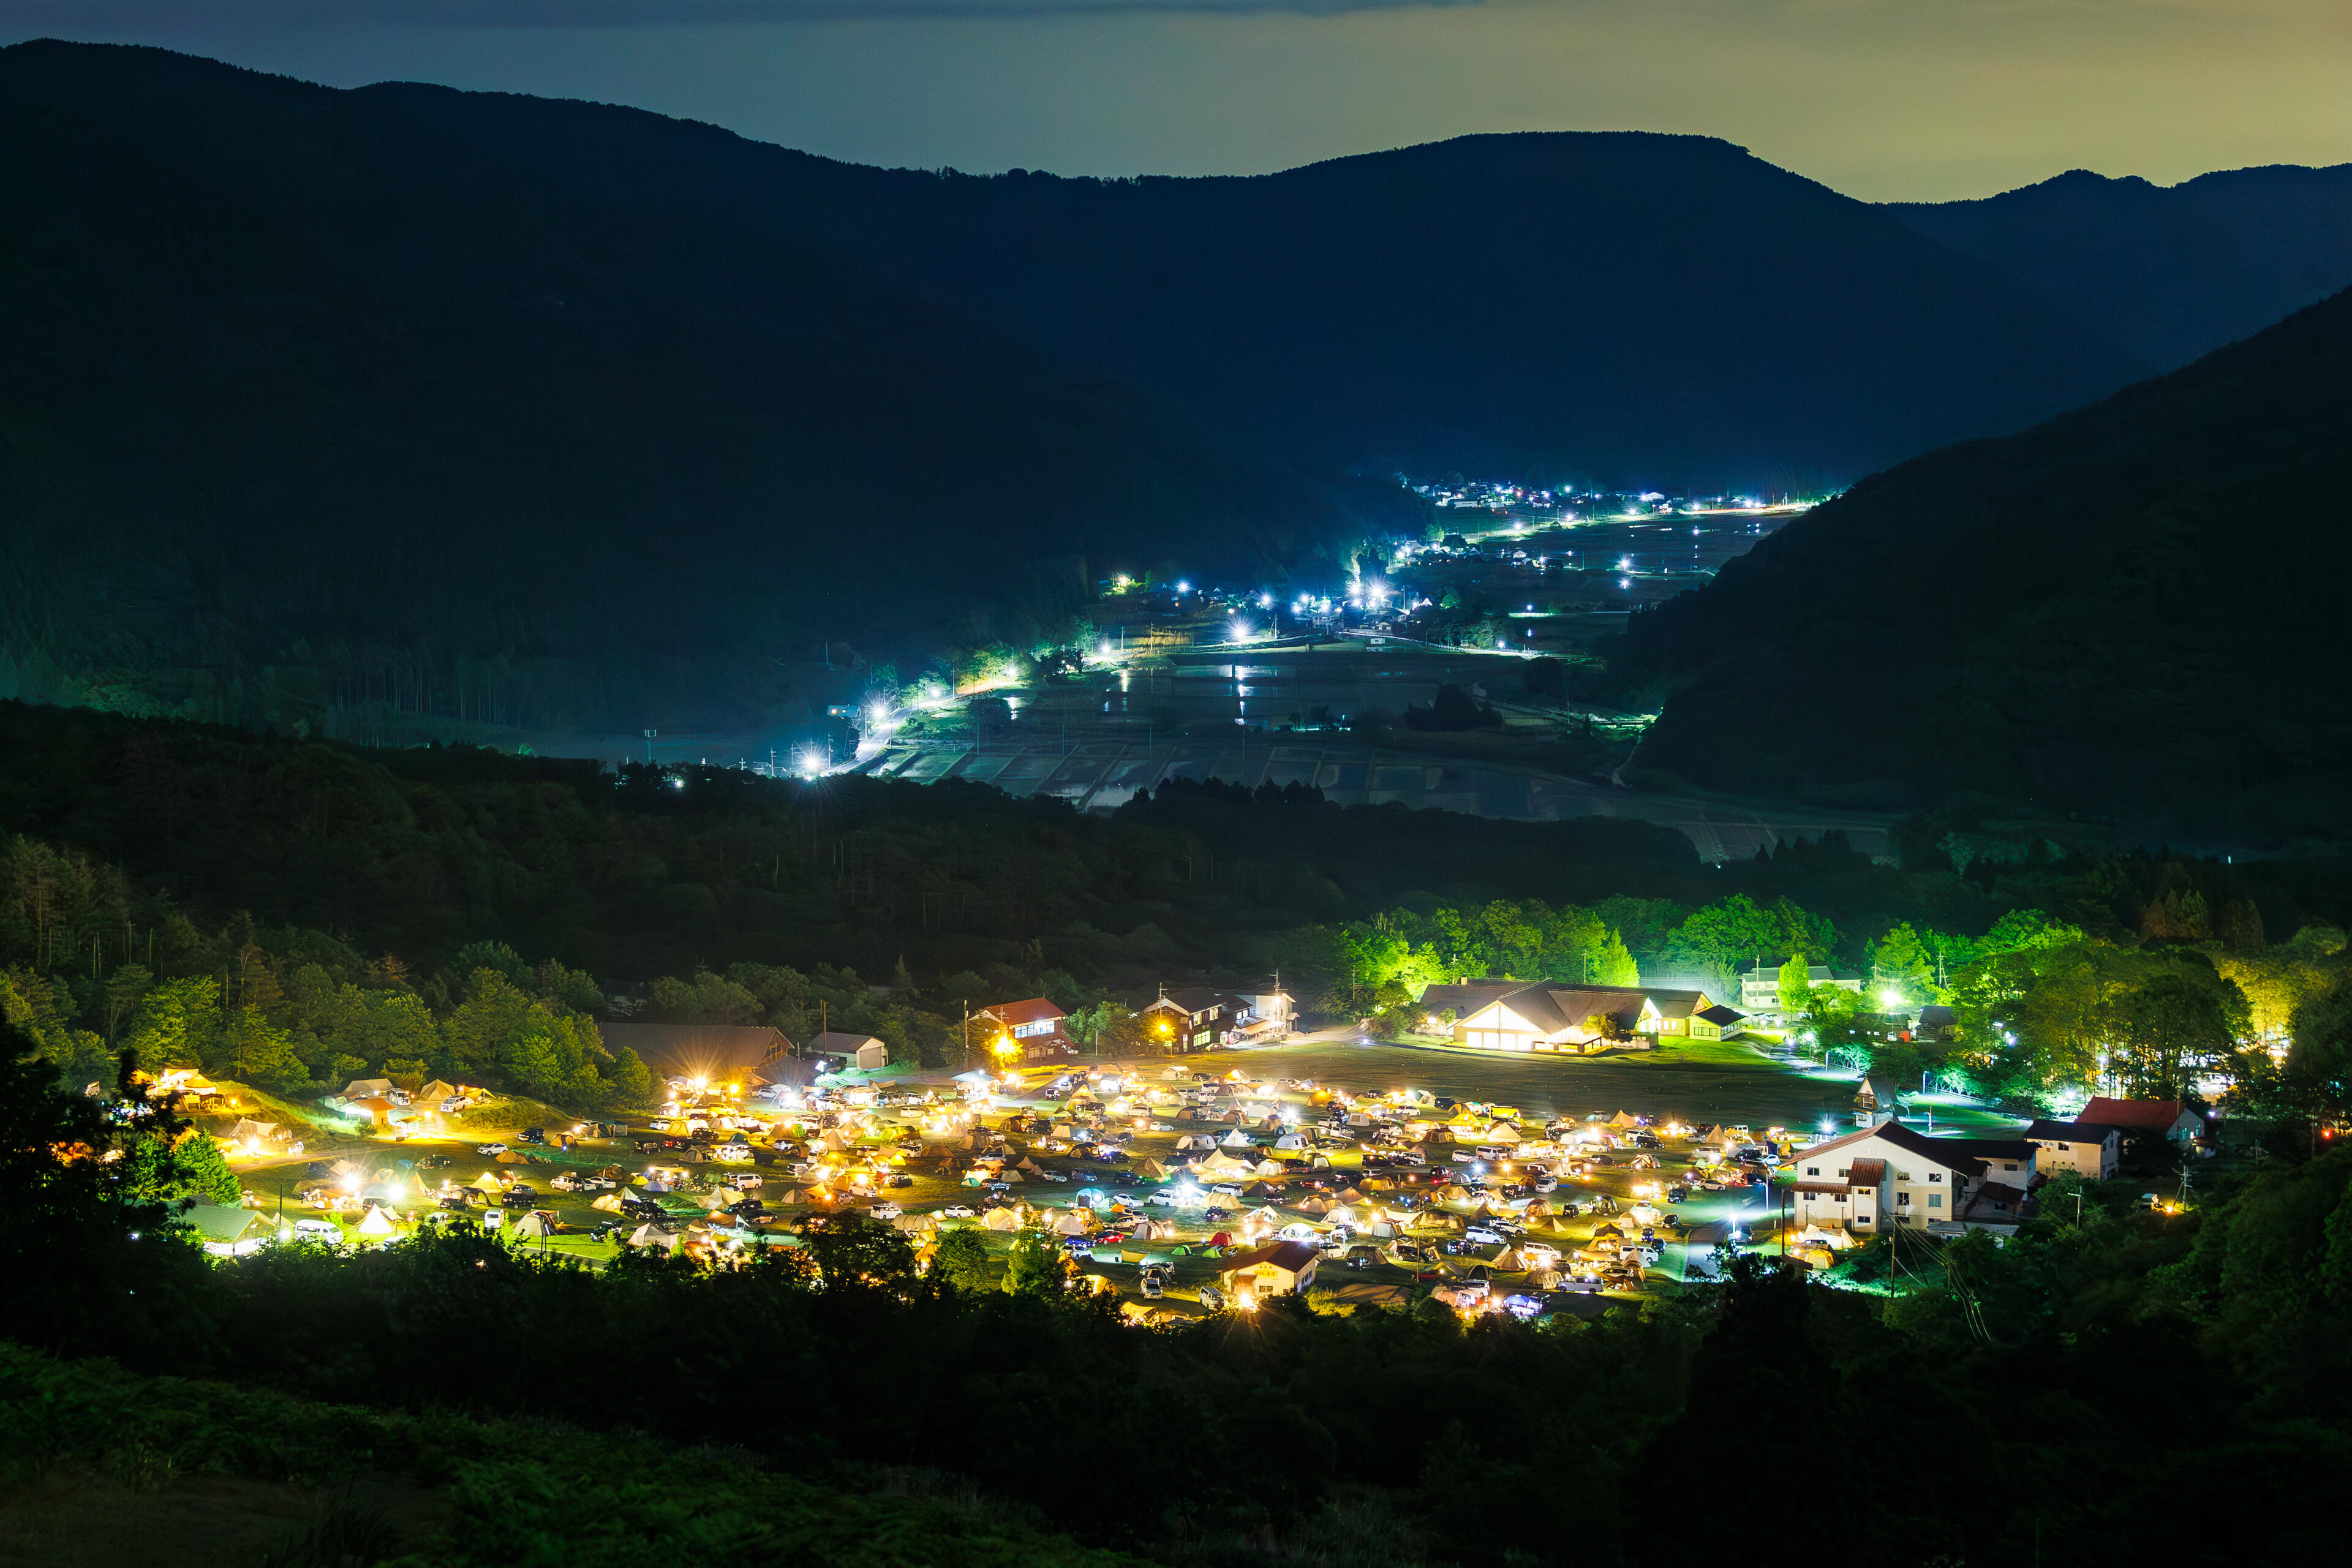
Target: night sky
<point x="1882" y="99"/>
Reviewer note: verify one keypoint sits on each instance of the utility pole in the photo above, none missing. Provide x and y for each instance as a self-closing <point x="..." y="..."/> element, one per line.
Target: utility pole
<point x="649" y="746"/>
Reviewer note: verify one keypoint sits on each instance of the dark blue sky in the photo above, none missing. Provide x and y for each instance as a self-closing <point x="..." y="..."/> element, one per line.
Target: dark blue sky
<point x="1882" y="99"/>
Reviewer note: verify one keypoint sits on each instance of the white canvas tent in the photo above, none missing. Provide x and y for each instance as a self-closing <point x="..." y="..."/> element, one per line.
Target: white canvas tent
<point x="1237" y="1138"/>
<point x="1001" y="1219"/>
<point x="652" y="1235"/>
<point x="375" y="1222"/>
<point x="1073" y="1222"/>
<point x="536" y="1225"/>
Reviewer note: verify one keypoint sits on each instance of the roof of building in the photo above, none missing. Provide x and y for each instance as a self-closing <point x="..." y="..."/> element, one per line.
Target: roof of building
<point x="1866" y="1174"/>
<point x="835" y="1042"/>
<point x="1990" y="1148"/>
<point x="1722" y="1017"/>
<point x="2133" y="1115"/>
<point x="1034" y="1010"/>
<point x="1935" y="1016"/>
<point x="1676" y="1004"/>
<point x="1467" y="997"/>
<point x="1290" y="1257"/>
<point x="2044" y="1131"/>
<point x="1198" y="999"/>
<point x="1997" y="1195"/>
<point x="1940" y="1150"/>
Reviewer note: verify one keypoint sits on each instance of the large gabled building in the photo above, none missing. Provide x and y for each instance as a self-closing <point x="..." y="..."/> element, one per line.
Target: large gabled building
<point x="1547" y="1016"/>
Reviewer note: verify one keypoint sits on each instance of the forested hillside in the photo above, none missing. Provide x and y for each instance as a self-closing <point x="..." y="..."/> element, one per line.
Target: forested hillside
<point x="329" y="410"/>
<point x="2118" y="614"/>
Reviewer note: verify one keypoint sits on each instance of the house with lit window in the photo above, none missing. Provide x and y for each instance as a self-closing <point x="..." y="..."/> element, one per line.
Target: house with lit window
<point x="1694" y="1014"/>
<point x="2088" y="1149"/>
<point x="1890" y="1177"/>
<point x="1031" y="1033"/>
<point x="1196" y="1019"/>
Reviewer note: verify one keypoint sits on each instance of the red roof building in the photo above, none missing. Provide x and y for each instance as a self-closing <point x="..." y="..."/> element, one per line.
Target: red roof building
<point x="2167" y="1117"/>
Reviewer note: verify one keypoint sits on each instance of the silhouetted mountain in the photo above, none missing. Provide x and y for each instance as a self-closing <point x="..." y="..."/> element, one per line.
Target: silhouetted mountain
<point x="323" y="405"/>
<point x="2132" y="611"/>
<point x="317" y="403"/>
<point x="2170" y="272"/>
<point x="1631" y="307"/>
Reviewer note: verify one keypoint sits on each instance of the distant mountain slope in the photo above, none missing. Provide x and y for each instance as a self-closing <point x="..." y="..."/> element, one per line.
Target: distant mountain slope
<point x="2135" y="610"/>
<point x="1632" y="307"/>
<point x="473" y="407"/>
<point x="2169" y="272"/>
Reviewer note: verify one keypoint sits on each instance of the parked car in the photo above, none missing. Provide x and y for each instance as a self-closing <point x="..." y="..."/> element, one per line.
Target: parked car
<point x="532" y="1136"/>
<point x="454" y="1201"/>
<point x="1056" y="1175"/>
<point x="318" y="1228"/>
<point x="959" y="1211"/>
<point x="886" y="1210"/>
<point x="1482" y="1235"/>
<point x="435" y="1162"/>
<point x="491" y="1149"/>
<point x="1162" y="1199"/>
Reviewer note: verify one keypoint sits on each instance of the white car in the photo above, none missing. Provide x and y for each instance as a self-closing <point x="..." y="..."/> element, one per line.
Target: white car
<point x="318" y="1228"/>
<point x="1479" y="1236"/>
<point x="1165" y="1199"/>
<point x="885" y="1211"/>
<point x="957" y="1211"/>
<point x="491" y="1149"/>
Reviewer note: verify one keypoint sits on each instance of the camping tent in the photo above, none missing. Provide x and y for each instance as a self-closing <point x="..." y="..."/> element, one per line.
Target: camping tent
<point x="1151" y="1170"/>
<point x="652" y="1235"/>
<point x="1291" y="1140"/>
<point x="367" y="1088"/>
<point x="610" y="1203"/>
<point x="1456" y="1193"/>
<point x="536" y="1225"/>
<point x="1001" y="1219"/>
<point x="375" y="1222"/>
<point x="436" y="1091"/>
<point x="1318" y="1206"/>
<point x="514" y="1157"/>
<point x="1073" y="1222"/>
<point x="250" y="1131"/>
<point x="1621" y="1120"/>
<point x="488" y="1182"/>
<point x="1237" y="1138"/>
<point x="1222" y="1167"/>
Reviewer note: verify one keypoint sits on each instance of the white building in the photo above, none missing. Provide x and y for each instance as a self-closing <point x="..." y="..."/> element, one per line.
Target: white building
<point x="1889" y="1177"/>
